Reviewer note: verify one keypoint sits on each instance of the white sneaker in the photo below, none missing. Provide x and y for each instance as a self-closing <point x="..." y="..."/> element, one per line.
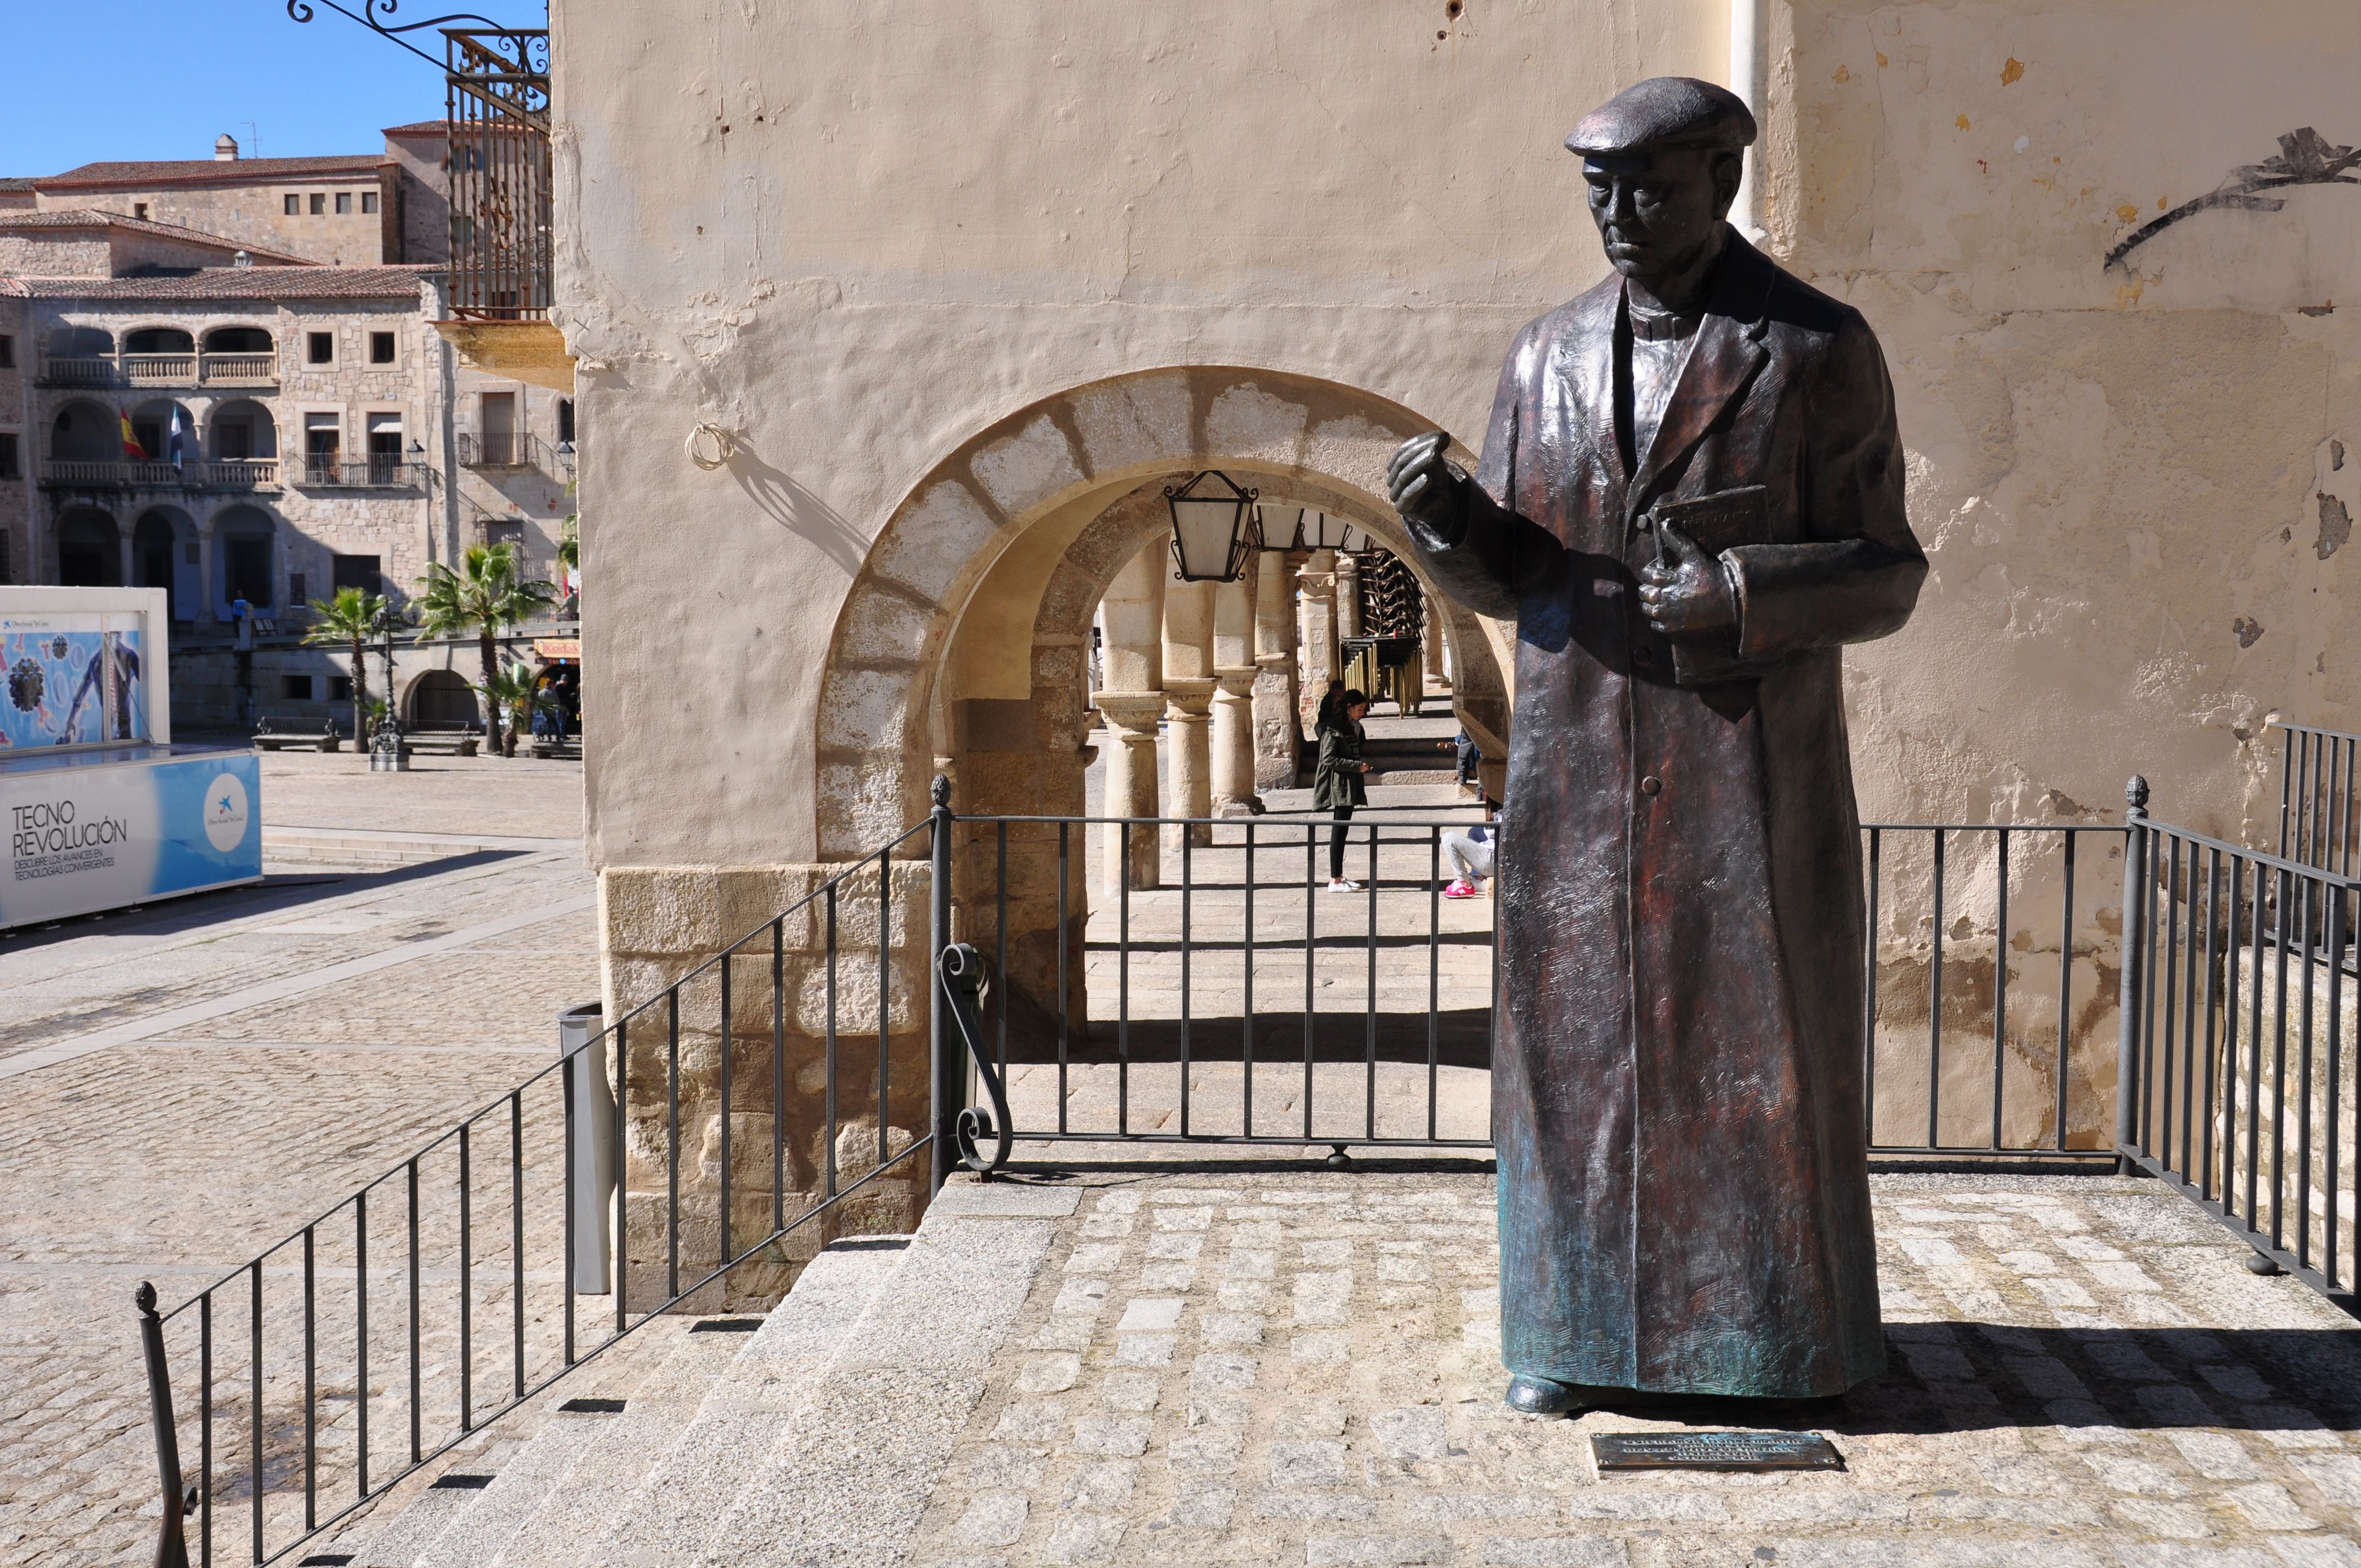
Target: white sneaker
<point x="1341" y="886"/>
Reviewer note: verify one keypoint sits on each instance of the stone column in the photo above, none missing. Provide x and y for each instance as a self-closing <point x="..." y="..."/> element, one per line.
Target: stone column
<point x="1432" y="610"/>
<point x="1128" y="747"/>
<point x="1131" y="624"/>
<point x="1234" y="677"/>
<point x="1318" y="581"/>
<point x="1348" y="595"/>
<point x="1188" y="685"/>
<point x="1278" y="727"/>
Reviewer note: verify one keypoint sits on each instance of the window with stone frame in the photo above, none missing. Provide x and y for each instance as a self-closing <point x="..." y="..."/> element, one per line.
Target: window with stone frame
<point x="362" y="572"/>
<point x="7" y="352"/>
<point x="320" y="348"/>
<point x="381" y="348"/>
<point x="319" y="203"/>
<point x="8" y="456"/>
<point x="324" y="440"/>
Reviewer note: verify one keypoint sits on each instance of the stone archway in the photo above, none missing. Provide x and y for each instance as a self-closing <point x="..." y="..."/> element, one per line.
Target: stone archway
<point x="935" y="640"/>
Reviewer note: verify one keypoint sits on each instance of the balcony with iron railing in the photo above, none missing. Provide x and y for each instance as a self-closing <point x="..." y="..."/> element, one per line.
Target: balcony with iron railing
<point x="373" y="472"/>
<point x="158" y="370"/>
<point x="80" y="474"/>
<point x="513" y="449"/>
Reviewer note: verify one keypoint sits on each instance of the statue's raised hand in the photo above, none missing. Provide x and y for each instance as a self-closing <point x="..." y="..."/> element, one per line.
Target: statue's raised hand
<point x="1424" y="488"/>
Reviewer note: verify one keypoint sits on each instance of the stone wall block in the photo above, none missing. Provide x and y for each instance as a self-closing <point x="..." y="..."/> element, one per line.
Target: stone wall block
<point x="660" y="909"/>
<point x="1356" y="449"/>
<point x="751" y="897"/>
<point x="929" y="549"/>
<point x="866" y="707"/>
<point x="864" y="801"/>
<point x="1026" y="468"/>
<point x="1245" y="421"/>
<point x="856" y="994"/>
<point x="1140" y="420"/>
<point x="882" y="626"/>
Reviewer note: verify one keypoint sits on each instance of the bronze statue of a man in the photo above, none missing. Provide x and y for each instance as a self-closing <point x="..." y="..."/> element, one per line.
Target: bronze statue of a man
<point x="1690" y="499"/>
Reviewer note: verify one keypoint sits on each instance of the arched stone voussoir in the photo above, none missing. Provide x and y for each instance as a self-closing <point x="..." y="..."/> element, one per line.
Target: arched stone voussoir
<point x="1276" y="430"/>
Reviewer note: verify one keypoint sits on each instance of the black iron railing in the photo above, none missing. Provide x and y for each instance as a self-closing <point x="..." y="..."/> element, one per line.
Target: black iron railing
<point x="456" y="1271"/>
<point x="1982" y="972"/>
<point x="2320" y="797"/>
<point x="2235" y="1044"/>
<point x="502" y="227"/>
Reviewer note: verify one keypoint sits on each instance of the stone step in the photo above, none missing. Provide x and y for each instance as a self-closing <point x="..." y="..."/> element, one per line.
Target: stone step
<point x="435" y="1523"/>
<point x="842" y="1473"/>
<point x="755" y="1395"/>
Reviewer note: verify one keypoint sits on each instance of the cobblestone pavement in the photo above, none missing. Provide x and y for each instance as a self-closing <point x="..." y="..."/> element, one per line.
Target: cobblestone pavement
<point x="1303" y="1369"/>
<point x="178" y="1155"/>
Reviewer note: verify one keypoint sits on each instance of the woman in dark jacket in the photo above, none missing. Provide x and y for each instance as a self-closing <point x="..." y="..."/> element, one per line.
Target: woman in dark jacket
<point x="1336" y="782"/>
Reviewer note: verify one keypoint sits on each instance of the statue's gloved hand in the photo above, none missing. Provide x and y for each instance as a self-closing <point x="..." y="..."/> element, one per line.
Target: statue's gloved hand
<point x="1688" y="592"/>
<point x="1424" y="488"/>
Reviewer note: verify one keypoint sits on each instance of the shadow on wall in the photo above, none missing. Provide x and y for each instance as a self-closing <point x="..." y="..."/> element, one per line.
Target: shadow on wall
<point x="795" y="508"/>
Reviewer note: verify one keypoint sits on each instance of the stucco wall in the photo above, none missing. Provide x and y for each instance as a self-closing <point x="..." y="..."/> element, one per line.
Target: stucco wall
<point x="857" y="238"/>
<point x="2128" y="475"/>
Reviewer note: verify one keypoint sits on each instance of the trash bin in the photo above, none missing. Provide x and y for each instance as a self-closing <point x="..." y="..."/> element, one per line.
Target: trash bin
<point x="583" y="1047"/>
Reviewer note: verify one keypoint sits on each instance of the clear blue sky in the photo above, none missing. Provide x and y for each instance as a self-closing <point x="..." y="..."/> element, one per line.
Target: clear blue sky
<point x="133" y="78"/>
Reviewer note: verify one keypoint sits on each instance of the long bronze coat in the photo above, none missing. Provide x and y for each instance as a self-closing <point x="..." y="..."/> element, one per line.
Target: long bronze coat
<point x="1676" y="1082"/>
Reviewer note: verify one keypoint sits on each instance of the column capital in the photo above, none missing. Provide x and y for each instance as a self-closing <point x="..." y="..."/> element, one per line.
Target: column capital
<point x="1190" y="696"/>
<point x="1236" y="680"/>
<point x="1134" y="714"/>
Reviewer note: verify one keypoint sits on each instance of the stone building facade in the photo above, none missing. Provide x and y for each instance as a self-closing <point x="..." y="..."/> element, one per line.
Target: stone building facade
<point x="328" y="436"/>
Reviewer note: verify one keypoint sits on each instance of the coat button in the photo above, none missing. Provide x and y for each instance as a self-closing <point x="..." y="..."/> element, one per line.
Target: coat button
<point x="1643" y="656"/>
<point x="1652" y="784"/>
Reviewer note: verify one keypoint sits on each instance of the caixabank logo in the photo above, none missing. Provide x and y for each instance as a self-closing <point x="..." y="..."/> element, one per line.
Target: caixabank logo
<point x="225" y="812"/>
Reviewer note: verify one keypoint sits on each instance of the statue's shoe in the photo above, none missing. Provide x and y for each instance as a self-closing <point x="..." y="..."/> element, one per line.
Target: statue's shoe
<point x="1546" y="1397"/>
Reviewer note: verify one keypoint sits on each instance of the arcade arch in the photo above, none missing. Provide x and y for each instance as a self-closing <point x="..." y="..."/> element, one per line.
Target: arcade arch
<point x="86" y="432"/>
<point x="963" y="642"/>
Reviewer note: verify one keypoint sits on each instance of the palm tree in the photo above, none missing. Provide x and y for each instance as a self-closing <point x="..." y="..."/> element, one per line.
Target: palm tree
<point x="348" y="620"/>
<point x="483" y="594"/>
<point x="515" y="691"/>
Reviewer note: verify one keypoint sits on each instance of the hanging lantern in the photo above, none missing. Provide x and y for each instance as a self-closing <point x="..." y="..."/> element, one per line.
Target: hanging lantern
<point x="1318" y="531"/>
<point x="1211" y="527"/>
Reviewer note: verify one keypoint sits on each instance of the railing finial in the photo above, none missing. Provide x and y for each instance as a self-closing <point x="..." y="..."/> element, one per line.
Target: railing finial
<point x="942" y="792"/>
<point x="2136" y="795"/>
<point x="144" y="1297"/>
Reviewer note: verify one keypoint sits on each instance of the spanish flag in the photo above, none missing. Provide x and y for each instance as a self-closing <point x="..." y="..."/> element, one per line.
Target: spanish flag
<point x="131" y="447"/>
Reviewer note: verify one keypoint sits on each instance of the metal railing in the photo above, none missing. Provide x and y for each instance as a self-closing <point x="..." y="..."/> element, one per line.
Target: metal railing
<point x="2236" y="1041"/>
<point x="515" y="449"/>
<point x="496" y="103"/>
<point x="241" y="473"/>
<point x="159" y="369"/>
<point x="1982" y="972"/>
<point x="2320" y="797"/>
<point x="1345" y="1023"/>
<point x="367" y="473"/>
<point x="456" y="1271"/>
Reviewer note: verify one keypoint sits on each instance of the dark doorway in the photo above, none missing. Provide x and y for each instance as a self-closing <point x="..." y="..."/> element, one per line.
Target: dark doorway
<point x="441" y="700"/>
<point x="245" y="569"/>
<point x="90" y="553"/>
<point x="151" y="559"/>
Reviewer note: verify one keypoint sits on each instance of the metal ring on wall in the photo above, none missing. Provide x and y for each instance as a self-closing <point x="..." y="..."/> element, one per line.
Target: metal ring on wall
<point x="710" y="438"/>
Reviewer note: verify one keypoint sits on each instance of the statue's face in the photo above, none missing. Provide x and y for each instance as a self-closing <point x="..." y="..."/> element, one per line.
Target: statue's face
<point x="1657" y="211"/>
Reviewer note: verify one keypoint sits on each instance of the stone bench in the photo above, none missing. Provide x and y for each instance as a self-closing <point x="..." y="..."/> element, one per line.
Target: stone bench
<point x="325" y="739"/>
<point x="440" y="742"/>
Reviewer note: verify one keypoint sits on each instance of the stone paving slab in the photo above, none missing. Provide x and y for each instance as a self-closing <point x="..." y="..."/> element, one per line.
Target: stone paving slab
<point x="1303" y="1367"/>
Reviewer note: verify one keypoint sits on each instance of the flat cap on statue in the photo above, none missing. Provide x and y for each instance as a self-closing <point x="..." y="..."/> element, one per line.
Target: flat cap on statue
<point x="1661" y="113"/>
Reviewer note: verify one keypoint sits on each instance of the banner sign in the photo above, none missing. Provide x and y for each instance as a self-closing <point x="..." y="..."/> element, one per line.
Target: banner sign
<point x="73" y="680"/>
<point x="558" y="647"/>
<point x="88" y="833"/>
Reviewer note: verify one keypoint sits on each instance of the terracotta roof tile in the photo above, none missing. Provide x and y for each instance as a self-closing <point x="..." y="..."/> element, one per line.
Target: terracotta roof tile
<point x="234" y="283"/>
<point x="91" y="218"/>
<point x="210" y="170"/>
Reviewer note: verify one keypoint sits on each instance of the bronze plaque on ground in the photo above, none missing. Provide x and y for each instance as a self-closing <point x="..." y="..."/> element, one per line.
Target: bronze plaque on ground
<point x="1714" y="1451"/>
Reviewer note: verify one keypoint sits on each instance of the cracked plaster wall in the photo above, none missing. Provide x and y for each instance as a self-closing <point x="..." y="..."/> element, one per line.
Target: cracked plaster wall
<point x="2126" y="477"/>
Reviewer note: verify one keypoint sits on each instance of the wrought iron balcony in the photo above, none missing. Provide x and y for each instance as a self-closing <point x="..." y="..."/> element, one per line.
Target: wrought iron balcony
<point x="366" y="474"/>
<point x="79" y="474"/>
<point x="512" y="450"/>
